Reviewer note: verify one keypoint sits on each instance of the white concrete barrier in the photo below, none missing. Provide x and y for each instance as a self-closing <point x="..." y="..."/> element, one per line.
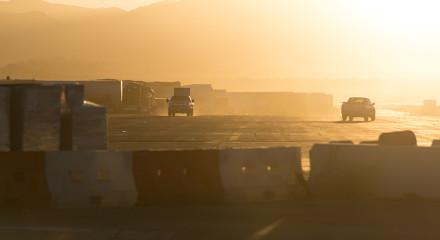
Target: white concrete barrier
<point x="261" y="174"/>
<point x="374" y="172"/>
<point x="91" y="179"/>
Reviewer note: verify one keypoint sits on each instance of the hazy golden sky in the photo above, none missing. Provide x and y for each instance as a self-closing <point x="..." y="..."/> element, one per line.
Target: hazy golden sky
<point x="357" y="40"/>
<point x="333" y="38"/>
<point x="123" y="4"/>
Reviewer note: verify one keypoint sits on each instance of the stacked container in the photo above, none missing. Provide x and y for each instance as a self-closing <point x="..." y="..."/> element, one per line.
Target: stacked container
<point x="89" y="127"/>
<point x="35" y="115"/>
<point x="4" y="119"/>
<point x="50" y="118"/>
<point x="84" y="123"/>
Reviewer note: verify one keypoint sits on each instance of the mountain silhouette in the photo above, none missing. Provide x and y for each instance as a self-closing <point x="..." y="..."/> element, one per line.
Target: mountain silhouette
<point x="187" y="40"/>
<point x="190" y="38"/>
<point x="51" y="9"/>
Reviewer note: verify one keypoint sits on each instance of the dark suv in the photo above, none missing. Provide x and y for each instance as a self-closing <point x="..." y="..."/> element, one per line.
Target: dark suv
<point x="180" y="104"/>
<point x="358" y="107"/>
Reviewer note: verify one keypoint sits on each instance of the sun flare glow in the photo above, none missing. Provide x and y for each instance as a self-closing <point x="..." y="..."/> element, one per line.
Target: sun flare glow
<point x="404" y="17"/>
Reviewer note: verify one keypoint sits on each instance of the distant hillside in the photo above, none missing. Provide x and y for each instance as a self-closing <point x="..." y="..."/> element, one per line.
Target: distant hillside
<point x="190" y="38"/>
<point x="54" y="10"/>
<point x="70" y="69"/>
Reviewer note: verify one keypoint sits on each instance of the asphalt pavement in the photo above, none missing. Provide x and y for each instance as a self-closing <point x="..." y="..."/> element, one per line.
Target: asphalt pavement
<point x="140" y="132"/>
<point x="283" y="220"/>
<point x="305" y="220"/>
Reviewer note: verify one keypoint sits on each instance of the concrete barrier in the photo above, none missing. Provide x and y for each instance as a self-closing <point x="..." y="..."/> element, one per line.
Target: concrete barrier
<point x="23" y="182"/>
<point x="70" y="179"/>
<point x="250" y="175"/>
<point x="402" y="138"/>
<point x="435" y="143"/>
<point x="91" y="179"/>
<point x="374" y="172"/>
<point x="169" y="177"/>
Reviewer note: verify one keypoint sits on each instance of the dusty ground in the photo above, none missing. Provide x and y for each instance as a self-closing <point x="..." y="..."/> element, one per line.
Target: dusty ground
<point x="287" y="220"/>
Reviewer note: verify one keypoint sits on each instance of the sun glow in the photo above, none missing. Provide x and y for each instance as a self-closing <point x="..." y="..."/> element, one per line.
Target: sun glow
<point x="402" y="16"/>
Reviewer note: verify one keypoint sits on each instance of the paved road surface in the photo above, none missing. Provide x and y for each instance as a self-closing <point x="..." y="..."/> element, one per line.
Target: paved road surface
<point x="287" y="220"/>
<point x="296" y="220"/>
<point x="135" y="132"/>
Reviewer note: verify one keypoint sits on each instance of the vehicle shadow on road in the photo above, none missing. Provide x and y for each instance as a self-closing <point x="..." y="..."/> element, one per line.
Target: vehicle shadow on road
<point x="350" y="122"/>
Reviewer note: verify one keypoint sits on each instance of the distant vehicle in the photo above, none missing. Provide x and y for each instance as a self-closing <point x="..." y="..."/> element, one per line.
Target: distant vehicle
<point x="358" y="107"/>
<point x="181" y="102"/>
<point x="120" y="96"/>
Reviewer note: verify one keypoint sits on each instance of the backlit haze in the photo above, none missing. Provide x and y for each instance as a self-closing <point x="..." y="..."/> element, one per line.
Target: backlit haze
<point x="387" y="50"/>
<point x="123" y="4"/>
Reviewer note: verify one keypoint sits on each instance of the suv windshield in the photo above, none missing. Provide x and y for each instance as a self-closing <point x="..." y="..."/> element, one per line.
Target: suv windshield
<point x="181" y="98"/>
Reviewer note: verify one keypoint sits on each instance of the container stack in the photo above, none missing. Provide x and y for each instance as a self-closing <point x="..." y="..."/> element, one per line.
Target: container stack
<point x="4" y="119"/>
<point x="37" y="117"/>
<point x="89" y="127"/>
<point x="72" y="98"/>
<point x="74" y="95"/>
<point x="37" y="111"/>
<point x="88" y="121"/>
